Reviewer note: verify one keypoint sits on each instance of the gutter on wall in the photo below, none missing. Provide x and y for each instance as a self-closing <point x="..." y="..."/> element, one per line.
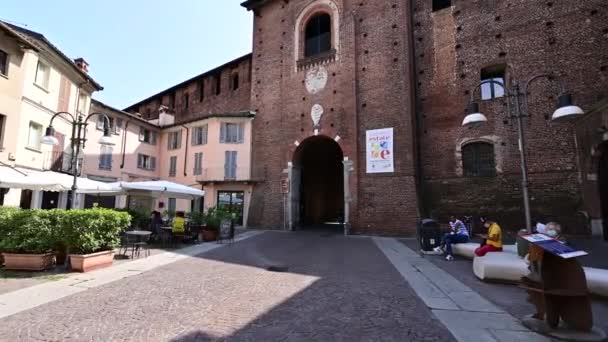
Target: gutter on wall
<point x="124" y="143"/>
<point x="414" y="112"/>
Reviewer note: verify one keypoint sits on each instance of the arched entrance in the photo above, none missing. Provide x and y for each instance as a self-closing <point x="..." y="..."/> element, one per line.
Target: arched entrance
<point x="603" y="186"/>
<point x="317" y="183"/>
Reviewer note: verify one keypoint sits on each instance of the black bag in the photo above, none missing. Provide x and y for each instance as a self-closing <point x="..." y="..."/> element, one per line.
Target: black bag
<point x="483" y="243"/>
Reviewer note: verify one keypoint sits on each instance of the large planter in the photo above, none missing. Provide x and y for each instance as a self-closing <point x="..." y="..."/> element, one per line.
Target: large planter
<point x="89" y="262"/>
<point x="28" y="262"/>
<point x="209" y="235"/>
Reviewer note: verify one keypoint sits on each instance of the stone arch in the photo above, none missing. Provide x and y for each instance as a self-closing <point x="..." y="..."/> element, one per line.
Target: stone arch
<point x="317" y="182"/>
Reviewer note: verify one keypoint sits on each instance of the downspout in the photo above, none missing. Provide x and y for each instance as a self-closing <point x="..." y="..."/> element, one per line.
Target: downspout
<point x="124" y="143"/>
<point x="415" y="113"/>
<point x="186" y="150"/>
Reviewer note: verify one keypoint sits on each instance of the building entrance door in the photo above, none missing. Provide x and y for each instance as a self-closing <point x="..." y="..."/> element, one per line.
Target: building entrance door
<point x="233" y="201"/>
<point x="318" y="179"/>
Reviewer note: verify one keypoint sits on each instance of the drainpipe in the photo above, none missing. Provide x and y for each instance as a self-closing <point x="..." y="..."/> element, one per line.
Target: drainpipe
<point x="186" y="150"/>
<point x="415" y="113"/>
<point x="124" y="143"/>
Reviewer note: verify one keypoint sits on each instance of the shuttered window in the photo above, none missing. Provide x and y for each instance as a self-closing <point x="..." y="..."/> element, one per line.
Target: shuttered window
<point x="478" y="160"/>
<point x="105" y="158"/>
<point x="174" y="140"/>
<point x="172" y="166"/>
<point x="199" y="135"/>
<point x="231" y="133"/>
<point x="146" y="162"/>
<point x="230" y="165"/>
<point x="198" y="164"/>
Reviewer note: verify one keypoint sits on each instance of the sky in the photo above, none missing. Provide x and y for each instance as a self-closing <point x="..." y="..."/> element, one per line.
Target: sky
<point x="137" y="48"/>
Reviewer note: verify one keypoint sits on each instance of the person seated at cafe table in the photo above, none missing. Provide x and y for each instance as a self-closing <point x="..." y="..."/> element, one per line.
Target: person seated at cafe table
<point x="179" y="223"/>
<point x="492" y="240"/>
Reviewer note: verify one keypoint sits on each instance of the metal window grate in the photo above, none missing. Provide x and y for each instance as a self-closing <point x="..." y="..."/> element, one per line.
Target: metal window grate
<point x="478" y="160"/>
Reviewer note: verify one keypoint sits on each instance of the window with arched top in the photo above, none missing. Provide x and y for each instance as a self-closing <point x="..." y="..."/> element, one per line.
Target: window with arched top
<point x="478" y="159"/>
<point x="317" y="35"/>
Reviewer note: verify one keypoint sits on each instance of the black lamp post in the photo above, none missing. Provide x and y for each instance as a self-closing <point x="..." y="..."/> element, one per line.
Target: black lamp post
<point x="564" y="112"/>
<point x="78" y="139"/>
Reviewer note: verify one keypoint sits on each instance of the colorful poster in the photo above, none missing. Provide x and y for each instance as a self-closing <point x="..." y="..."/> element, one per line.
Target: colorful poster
<point x="379" y="144"/>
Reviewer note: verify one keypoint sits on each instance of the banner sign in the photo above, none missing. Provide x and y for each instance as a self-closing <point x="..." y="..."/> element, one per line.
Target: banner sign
<point x="379" y="145"/>
<point x="553" y="246"/>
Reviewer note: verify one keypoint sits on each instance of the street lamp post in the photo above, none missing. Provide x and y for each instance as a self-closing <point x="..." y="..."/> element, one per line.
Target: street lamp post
<point x="78" y="139"/>
<point x="564" y="112"/>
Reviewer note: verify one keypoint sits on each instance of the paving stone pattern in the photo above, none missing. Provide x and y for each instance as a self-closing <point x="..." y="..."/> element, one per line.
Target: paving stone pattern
<point x="336" y="289"/>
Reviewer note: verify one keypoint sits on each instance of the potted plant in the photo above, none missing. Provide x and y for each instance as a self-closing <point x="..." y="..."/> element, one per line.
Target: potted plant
<point x="28" y="240"/>
<point x="197" y="223"/>
<point x="213" y="220"/>
<point x="92" y="236"/>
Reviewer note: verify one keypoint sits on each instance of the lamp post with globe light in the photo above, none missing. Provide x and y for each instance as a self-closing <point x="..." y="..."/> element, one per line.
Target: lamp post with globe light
<point x="565" y="111"/>
<point x="78" y="140"/>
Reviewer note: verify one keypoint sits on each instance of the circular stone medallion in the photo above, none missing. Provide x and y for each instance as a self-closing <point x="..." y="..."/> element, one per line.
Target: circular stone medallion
<point x="316" y="79"/>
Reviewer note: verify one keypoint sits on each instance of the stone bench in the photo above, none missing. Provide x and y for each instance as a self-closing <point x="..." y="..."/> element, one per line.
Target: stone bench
<point x="467" y="250"/>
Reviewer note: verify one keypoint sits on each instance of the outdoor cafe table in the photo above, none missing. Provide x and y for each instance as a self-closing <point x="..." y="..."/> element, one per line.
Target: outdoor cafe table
<point x="139" y="236"/>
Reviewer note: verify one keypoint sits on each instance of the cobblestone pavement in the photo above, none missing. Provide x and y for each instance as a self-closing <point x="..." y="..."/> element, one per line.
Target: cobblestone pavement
<point x="336" y="289"/>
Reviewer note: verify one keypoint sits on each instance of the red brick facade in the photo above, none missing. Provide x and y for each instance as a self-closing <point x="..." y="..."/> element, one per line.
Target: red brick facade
<point x="569" y="39"/>
<point x="367" y="88"/>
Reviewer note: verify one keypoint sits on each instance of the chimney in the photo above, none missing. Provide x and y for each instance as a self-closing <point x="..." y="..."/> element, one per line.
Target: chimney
<point x="82" y="64"/>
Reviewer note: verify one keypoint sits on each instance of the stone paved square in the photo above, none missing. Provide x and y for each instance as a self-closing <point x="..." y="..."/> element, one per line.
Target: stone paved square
<point x="336" y="289"/>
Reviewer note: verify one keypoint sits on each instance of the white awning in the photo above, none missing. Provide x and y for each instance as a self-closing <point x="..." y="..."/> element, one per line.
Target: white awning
<point x="156" y="189"/>
<point x="19" y="179"/>
<point x="65" y="181"/>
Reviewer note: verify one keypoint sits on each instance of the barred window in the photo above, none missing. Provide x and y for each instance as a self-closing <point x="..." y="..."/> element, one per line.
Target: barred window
<point x="478" y="160"/>
<point x="318" y="35"/>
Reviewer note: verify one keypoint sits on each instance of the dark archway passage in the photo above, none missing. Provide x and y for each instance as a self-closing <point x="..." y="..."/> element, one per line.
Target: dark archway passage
<point x="318" y="161"/>
<point x="603" y="186"/>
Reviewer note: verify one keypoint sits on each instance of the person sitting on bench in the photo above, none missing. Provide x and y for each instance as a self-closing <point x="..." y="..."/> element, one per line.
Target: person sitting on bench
<point x="492" y="241"/>
<point x="459" y="234"/>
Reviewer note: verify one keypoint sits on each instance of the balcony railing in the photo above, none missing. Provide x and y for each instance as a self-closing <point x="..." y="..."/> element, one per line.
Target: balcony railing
<point x="61" y="162"/>
<point x="222" y="174"/>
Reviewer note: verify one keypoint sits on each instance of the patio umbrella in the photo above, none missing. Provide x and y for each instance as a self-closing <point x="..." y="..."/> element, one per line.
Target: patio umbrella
<point x="156" y="189"/>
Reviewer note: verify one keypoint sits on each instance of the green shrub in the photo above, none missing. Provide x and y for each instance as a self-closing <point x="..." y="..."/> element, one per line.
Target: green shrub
<point x="140" y="219"/>
<point x="27" y="231"/>
<point x="215" y="216"/>
<point x="93" y="230"/>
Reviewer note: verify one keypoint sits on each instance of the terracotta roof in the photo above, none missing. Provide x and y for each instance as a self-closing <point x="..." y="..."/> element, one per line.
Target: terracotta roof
<point x="39" y="42"/>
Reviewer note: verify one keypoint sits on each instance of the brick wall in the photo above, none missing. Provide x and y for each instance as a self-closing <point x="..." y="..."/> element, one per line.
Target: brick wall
<point x="227" y="101"/>
<point x="569" y="39"/>
<point x="367" y="88"/>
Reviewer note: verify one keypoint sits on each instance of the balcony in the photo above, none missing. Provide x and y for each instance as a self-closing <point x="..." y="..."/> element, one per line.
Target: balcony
<point x="222" y="175"/>
<point x="60" y="162"/>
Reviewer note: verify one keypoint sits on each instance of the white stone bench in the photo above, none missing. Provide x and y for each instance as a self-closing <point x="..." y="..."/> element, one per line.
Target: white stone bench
<point x="467" y="250"/>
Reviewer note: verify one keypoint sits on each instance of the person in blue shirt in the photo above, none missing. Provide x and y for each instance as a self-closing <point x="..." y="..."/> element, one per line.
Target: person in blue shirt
<point x="458" y="234"/>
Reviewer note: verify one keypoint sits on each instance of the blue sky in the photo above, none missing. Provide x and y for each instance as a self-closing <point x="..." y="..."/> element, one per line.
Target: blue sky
<point x="137" y="48"/>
